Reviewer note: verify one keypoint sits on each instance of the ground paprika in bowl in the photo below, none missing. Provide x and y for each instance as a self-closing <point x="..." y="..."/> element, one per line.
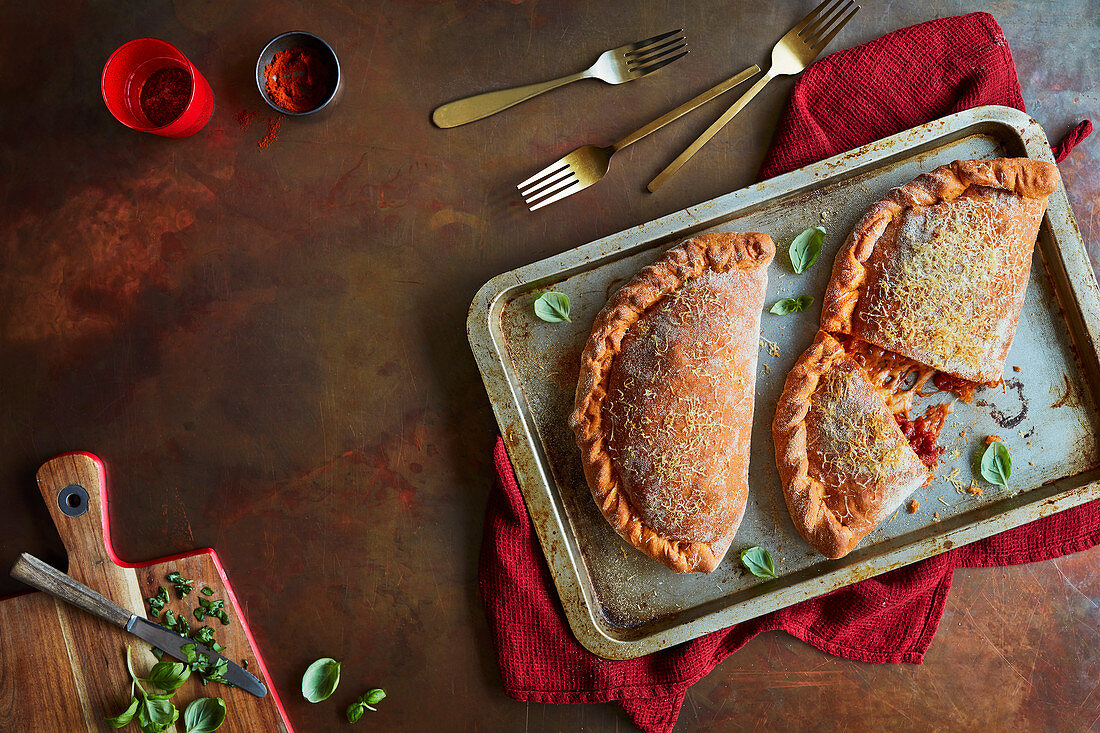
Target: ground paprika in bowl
<point x="298" y="73"/>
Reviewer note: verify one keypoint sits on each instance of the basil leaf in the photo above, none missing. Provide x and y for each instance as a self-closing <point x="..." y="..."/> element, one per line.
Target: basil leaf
<point x="158" y="711"/>
<point x="758" y="561"/>
<point x="208" y="591"/>
<point x="355" y="711"/>
<point x="204" y="715"/>
<point x="792" y="305"/>
<point x="320" y="679"/>
<point x="124" y="718"/>
<point x="552" y="307"/>
<point x="375" y="696"/>
<point x="168" y="675"/>
<point x="996" y="464"/>
<point x="805" y="248"/>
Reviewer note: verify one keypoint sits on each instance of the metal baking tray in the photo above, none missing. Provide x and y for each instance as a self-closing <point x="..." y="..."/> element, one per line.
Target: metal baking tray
<point x="621" y="604"/>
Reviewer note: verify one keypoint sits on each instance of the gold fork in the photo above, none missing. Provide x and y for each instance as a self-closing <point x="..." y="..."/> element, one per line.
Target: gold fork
<point x="616" y="66"/>
<point x="791" y="55"/>
<point x="584" y="166"/>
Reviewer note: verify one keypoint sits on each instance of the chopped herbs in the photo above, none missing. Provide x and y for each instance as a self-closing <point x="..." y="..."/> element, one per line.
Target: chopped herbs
<point x="205" y="635"/>
<point x="201" y="663"/>
<point x="364" y="703"/>
<point x="198" y="662"/>
<point x="996" y="465"/>
<point x="176" y="623"/>
<point x="805" y="248"/>
<point x="792" y="305"/>
<point x="552" y="307"/>
<point x="758" y="561"/>
<point x="157" y="602"/>
<point x="182" y="585"/>
<point x="215" y="609"/>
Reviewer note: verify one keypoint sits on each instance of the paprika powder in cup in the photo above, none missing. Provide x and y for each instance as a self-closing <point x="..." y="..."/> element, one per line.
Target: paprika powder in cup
<point x="298" y="74"/>
<point x="151" y="86"/>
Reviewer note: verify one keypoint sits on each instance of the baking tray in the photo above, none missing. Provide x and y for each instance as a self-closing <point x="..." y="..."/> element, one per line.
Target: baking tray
<point x="621" y="604"/>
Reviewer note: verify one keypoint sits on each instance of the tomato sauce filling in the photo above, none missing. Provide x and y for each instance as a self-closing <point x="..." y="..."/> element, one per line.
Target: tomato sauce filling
<point x="899" y="380"/>
<point x="923" y="431"/>
<point x="950" y="383"/>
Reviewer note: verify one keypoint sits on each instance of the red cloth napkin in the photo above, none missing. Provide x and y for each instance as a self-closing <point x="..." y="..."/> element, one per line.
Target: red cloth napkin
<point x="843" y="101"/>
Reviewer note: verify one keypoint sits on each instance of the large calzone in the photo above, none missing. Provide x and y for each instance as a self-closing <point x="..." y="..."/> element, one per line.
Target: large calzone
<point x="664" y="403"/>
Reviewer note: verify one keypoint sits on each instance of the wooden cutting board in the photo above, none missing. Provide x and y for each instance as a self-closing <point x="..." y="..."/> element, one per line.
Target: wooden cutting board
<point x="62" y="669"/>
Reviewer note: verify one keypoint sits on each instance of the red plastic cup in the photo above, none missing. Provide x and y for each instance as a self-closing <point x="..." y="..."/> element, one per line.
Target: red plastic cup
<point x="126" y="72"/>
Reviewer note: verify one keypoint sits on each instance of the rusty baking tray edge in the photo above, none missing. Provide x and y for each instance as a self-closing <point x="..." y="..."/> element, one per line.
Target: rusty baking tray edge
<point x="525" y="450"/>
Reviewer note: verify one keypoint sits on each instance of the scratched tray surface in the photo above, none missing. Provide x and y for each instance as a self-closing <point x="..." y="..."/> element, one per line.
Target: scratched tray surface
<point x="621" y="603"/>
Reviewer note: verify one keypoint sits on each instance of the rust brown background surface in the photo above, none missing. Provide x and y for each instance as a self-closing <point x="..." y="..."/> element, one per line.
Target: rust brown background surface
<point x="267" y="346"/>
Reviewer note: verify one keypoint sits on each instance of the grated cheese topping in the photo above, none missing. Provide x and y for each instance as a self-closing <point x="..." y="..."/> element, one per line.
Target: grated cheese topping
<point x="680" y="402"/>
<point x="858" y="445"/>
<point x="945" y="281"/>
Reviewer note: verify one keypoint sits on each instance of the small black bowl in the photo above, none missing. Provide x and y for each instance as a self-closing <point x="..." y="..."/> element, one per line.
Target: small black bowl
<point x="298" y="39"/>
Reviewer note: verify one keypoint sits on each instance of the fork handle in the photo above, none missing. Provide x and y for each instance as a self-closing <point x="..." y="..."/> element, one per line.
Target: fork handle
<point x="709" y="132"/>
<point x="461" y="111"/>
<point x="697" y="101"/>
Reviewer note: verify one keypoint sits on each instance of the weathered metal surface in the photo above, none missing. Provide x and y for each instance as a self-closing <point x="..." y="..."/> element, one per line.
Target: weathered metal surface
<point x="620" y="603"/>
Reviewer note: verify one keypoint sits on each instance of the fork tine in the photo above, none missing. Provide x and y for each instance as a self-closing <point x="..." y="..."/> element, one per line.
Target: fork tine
<point x="650" y="58"/>
<point x="552" y="190"/>
<point x="545" y="171"/>
<point x="654" y="49"/>
<point x="542" y="187"/>
<point x="567" y="192"/>
<point x="660" y="65"/>
<point x="825" y="21"/>
<point x="820" y="43"/>
<point x="810" y="16"/>
<point x="642" y="44"/>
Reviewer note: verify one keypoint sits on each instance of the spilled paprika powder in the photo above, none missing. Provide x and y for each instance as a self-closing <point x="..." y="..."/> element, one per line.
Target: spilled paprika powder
<point x="298" y="79"/>
<point x="165" y="94"/>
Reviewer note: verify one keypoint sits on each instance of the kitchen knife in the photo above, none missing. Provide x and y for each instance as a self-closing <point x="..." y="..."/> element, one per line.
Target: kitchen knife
<point x="32" y="571"/>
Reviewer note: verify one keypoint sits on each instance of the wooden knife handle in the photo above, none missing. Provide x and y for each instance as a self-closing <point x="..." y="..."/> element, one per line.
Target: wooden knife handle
<point x="48" y="579"/>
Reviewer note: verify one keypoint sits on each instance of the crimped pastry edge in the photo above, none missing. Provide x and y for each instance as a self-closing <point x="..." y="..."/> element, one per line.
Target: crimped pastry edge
<point x="805" y="495"/>
<point x="719" y="251"/>
<point x="1023" y="176"/>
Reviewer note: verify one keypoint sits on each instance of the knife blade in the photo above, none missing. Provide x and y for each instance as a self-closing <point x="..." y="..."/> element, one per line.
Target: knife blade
<point x="32" y="571"/>
<point x="172" y="644"/>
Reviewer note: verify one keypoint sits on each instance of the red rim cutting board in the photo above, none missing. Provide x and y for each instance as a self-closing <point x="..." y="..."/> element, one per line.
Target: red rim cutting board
<point x="62" y="669"/>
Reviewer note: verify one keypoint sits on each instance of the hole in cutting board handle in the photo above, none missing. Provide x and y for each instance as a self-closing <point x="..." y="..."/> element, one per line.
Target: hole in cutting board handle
<point x="73" y="500"/>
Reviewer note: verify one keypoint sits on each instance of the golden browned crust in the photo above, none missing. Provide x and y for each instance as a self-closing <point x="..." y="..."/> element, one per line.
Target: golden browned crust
<point x="814" y="503"/>
<point x="717" y="252"/>
<point x="1030" y="180"/>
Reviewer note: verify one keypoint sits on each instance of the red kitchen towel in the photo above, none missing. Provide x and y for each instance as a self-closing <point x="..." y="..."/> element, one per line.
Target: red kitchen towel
<point x="844" y="100"/>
